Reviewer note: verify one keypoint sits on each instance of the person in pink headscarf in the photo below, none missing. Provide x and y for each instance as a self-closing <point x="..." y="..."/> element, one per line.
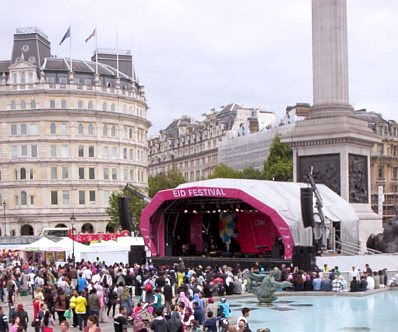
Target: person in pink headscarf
<point x="183" y="298"/>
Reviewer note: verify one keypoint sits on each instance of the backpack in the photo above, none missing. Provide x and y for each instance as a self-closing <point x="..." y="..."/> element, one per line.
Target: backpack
<point x="148" y="287"/>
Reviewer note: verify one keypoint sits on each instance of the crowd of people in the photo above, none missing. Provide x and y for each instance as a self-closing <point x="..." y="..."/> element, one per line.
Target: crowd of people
<point x="163" y="299"/>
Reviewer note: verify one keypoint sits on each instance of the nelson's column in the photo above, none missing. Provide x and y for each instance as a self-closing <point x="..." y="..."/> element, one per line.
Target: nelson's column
<point x="332" y="138"/>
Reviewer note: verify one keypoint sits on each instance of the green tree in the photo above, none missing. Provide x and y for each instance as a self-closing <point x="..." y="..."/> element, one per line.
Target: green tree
<point x="136" y="205"/>
<point x="223" y="171"/>
<point x="251" y="173"/>
<point x="162" y="181"/>
<point x="279" y="164"/>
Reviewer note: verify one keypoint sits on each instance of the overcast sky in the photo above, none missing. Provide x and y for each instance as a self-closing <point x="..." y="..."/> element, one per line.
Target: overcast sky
<point x="195" y="55"/>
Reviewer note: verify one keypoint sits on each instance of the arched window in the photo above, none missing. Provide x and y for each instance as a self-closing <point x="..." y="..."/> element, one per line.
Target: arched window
<point x="52" y="103"/>
<point x="90" y="105"/>
<point x="63" y="103"/>
<point x="87" y="228"/>
<point x="22" y="173"/>
<point x="104" y="107"/>
<point x="80" y="104"/>
<point x="113" y="108"/>
<point x="27" y="230"/>
<point x="32" y="104"/>
<point x="80" y="129"/>
<point x="23" y="198"/>
<point x="113" y="131"/>
<point x="13" y="105"/>
<point x="105" y="131"/>
<point x="53" y="128"/>
<point x="90" y="129"/>
<point x="23" y="105"/>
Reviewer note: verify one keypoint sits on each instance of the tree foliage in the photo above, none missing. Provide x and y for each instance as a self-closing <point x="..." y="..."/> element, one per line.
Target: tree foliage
<point x="162" y="181"/>
<point x="279" y="164"/>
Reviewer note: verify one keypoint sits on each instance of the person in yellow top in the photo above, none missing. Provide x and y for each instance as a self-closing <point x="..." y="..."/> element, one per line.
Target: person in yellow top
<point x="72" y="306"/>
<point x="180" y="278"/>
<point x="81" y="309"/>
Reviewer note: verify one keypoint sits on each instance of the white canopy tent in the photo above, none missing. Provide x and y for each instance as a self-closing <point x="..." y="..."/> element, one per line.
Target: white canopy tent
<point x="43" y="244"/>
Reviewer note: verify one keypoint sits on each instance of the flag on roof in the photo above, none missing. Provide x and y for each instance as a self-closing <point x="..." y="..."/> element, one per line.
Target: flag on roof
<point x="66" y="35"/>
<point x="92" y="35"/>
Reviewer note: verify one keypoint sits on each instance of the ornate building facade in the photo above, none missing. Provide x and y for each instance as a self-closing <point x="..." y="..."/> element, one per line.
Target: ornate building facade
<point x="192" y="146"/>
<point x="384" y="163"/>
<point x="71" y="133"/>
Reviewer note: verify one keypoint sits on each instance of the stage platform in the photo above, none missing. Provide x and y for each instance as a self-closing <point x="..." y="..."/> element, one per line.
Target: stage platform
<point x="194" y="261"/>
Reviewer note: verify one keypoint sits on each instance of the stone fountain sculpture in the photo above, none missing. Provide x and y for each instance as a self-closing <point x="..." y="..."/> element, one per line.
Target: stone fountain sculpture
<point x="264" y="285"/>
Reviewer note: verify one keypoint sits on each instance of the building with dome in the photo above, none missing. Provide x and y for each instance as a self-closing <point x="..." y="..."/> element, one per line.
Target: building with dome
<point x="71" y="133"/>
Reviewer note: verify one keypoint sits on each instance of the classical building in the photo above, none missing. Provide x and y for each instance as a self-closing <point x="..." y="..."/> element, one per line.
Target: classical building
<point x="383" y="163"/>
<point x="71" y="133"/>
<point x="192" y="146"/>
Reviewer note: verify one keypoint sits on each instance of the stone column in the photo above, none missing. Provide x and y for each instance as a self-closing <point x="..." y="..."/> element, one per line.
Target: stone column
<point x="329" y="53"/>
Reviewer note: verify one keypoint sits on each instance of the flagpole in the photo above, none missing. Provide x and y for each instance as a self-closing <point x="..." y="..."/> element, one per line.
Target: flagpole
<point x="117" y="53"/>
<point x="96" y="51"/>
<point x="70" y="47"/>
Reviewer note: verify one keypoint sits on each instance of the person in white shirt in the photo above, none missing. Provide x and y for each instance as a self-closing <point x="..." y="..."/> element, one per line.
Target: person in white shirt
<point x="244" y="317"/>
<point x="371" y="282"/>
<point x="353" y="273"/>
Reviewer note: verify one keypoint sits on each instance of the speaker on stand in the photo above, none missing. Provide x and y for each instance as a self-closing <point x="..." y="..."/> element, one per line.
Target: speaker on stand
<point x="137" y="255"/>
<point x="307" y="206"/>
<point x="124" y="214"/>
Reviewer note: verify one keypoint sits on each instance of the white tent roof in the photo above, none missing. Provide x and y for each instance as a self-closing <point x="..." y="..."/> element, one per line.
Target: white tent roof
<point x="284" y="198"/>
<point x="43" y="244"/>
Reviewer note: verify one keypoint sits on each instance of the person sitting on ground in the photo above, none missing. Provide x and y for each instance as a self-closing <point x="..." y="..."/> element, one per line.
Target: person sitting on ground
<point x="355" y="286"/>
<point x="336" y="285"/>
<point x="364" y="284"/>
<point x="326" y="285"/>
<point x="316" y="282"/>
<point x="371" y="282"/>
<point x="308" y="285"/>
<point x="376" y="279"/>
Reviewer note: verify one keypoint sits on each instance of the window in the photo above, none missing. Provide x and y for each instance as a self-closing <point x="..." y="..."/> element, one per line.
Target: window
<point x="106" y="197"/>
<point x="90" y="129"/>
<point x="13" y="129"/>
<point x="23" y="105"/>
<point x="114" y="174"/>
<point x="80" y="104"/>
<point x="113" y="131"/>
<point x="125" y="174"/>
<point x="105" y="152"/>
<point x="65" y="198"/>
<point x="33" y="150"/>
<point x="124" y="153"/>
<point x="30" y="79"/>
<point x="32" y="104"/>
<point x="54" y="198"/>
<point x="31" y="174"/>
<point x="14" y="152"/>
<point x="92" y="196"/>
<point x="395" y="173"/>
<point x="90" y="105"/>
<point x="14" y="78"/>
<point x="80" y="129"/>
<point x="91" y="173"/>
<point x="52" y="103"/>
<point x="80" y="151"/>
<point x="63" y="103"/>
<point x="24" y="200"/>
<point x="65" y="173"/>
<point x="131" y="175"/>
<point x="50" y="79"/>
<point x="24" y="150"/>
<point x="64" y="129"/>
<point x="24" y="129"/>
<point x="381" y="172"/>
<point x="32" y="200"/>
<point x="105" y="131"/>
<point x="53" y="128"/>
<point x="22" y="173"/>
<point x="53" y="150"/>
<point x="131" y="154"/>
<point x="87" y="81"/>
<point x="81" y="173"/>
<point x="33" y="129"/>
<point x="22" y="75"/>
<point x="130" y="133"/>
<point x="113" y="108"/>
<point x="64" y="151"/>
<point x="91" y="151"/>
<point x="114" y="152"/>
<point x="106" y="173"/>
<point x="104" y="107"/>
<point x="53" y="173"/>
<point x="62" y="80"/>
<point x="13" y="105"/>
<point x="82" y="197"/>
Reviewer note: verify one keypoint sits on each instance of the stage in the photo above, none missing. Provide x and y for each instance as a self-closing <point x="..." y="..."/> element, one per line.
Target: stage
<point x="194" y="261"/>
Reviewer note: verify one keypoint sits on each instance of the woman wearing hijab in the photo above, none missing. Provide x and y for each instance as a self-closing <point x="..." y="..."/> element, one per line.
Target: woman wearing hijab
<point x="183" y="298"/>
<point x="198" y="300"/>
<point x="188" y="317"/>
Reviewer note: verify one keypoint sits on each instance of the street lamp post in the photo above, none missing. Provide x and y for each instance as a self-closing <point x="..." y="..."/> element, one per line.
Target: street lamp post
<point x="72" y="221"/>
<point x="5" y="219"/>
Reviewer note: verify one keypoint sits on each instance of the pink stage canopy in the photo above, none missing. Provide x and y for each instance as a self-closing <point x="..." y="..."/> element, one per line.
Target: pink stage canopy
<point x="279" y="201"/>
